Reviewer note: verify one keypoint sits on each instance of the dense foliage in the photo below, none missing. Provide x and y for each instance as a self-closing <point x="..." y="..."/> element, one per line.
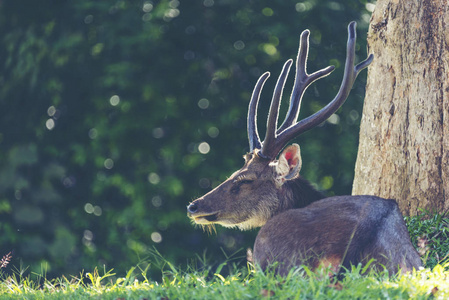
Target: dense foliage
<point x="114" y="115"/>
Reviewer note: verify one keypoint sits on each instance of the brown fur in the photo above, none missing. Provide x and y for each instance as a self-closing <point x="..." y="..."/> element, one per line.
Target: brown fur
<point x="255" y="193"/>
<point x="299" y="228"/>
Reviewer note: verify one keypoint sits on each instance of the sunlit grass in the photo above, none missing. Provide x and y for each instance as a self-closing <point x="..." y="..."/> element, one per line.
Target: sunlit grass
<point x="244" y="283"/>
<point x="231" y="281"/>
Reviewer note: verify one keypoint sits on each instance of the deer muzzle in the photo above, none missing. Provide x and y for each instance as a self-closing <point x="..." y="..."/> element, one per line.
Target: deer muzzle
<point x="200" y="217"/>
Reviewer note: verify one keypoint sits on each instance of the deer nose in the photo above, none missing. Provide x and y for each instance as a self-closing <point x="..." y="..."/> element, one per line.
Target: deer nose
<point x="192" y="208"/>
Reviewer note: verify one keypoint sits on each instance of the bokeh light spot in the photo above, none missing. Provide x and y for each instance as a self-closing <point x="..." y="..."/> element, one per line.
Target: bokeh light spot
<point x="334" y="119"/>
<point x="156" y="201"/>
<point x="208" y="3"/>
<point x="269" y="49"/>
<point x="158" y="133"/>
<point x="93" y="133"/>
<point x="213" y="132"/>
<point x="108" y="163"/>
<point x="88" y="235"/>
<point x="203" y="103"/>
<point x="154" y="178"/>
<point x="203" y="148"/>
<point x="156" y="237"/>
<point x="147" y="6"/>
<point x="89" y="208"/>
<point x="50" y="124"/>
<point x="51" y="111"/>
<point x="88" y="19"/>
<point x="268" y="12"/>
<point x="114" y="100"/>
<point x="239" y="45"/>
<point x="97" y="211"/>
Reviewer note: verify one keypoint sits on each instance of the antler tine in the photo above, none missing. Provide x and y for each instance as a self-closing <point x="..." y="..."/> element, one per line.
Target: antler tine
<point x="302" y="81"/>
<point x="350" y="74"/>
<point x="253" y="135"/>
<point x="270" y="135"/>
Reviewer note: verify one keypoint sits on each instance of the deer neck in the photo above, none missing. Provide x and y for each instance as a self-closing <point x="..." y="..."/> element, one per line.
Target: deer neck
<point x="298" y="193"/>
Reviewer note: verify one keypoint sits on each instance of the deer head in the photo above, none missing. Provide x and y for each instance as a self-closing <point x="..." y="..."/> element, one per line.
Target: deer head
<point x="265" y="186"/>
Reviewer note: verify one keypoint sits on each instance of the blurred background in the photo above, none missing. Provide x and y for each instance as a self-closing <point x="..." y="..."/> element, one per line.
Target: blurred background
<point x="114" y="115"/>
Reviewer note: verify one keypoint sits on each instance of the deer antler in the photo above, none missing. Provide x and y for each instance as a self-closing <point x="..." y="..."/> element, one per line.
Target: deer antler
<point x="276" y="139"/>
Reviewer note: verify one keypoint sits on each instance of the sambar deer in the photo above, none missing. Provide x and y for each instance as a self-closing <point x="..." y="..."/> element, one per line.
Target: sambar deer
<point x="300" y="226"/>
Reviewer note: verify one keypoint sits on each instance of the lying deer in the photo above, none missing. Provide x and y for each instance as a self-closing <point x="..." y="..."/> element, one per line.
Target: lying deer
<point x="300" y="226"/>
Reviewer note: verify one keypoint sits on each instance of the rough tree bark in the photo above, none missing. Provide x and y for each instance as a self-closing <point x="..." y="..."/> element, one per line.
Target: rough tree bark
<point x="404" y="132"/>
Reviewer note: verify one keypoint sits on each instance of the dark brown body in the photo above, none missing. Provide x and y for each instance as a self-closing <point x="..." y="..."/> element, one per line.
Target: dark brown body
<point x="339" y="231"/>
<point x="299" y="225"/>
<point x="302" y="227"/>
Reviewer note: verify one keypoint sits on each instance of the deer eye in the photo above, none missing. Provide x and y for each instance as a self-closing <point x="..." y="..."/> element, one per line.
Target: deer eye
<point x="245" y="181"/>
<point x="238" y="183"/>
<point x="242" y="179"/>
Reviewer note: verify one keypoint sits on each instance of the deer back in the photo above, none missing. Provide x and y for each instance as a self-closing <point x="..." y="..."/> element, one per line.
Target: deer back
<point x="338" y="231"/>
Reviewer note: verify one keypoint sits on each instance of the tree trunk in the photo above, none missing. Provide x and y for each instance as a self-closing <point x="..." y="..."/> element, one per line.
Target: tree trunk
<point x="404" y="133"/>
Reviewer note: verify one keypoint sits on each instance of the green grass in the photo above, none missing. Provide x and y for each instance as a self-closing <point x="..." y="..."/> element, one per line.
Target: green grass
<point x="244" y="284"/>
<point x="430" y="231"/>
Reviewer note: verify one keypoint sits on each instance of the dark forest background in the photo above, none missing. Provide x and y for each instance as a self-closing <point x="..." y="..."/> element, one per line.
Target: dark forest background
<point x="114" y="115"/>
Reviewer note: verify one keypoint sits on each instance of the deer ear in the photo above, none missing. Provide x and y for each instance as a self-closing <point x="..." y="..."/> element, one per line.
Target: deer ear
<point x="289" y="162"/>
